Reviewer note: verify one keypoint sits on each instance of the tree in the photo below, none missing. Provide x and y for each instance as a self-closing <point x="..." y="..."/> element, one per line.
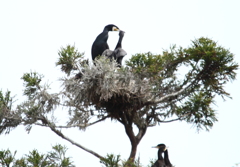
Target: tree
<point x="146" y="92"/>
<point x="55" y="158"/>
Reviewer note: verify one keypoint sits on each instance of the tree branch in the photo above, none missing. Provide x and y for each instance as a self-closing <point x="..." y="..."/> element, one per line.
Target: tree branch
<point x="83" y="125"/>
<point x="141" y="133"/>
<point x="174" y="93"/>
<point x="59" y="133"/>
<point x="177" y="119"/>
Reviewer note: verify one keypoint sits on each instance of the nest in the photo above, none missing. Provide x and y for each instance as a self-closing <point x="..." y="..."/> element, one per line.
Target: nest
<point x="119" y="104"/>
<point x="111" y="89"/>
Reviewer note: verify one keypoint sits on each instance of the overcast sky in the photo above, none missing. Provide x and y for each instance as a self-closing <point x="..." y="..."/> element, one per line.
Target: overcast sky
<point x="31" y="33"/>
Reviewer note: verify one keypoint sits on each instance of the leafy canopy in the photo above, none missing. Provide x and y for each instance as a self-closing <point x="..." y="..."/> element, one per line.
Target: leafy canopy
<point x="178" y="85"/>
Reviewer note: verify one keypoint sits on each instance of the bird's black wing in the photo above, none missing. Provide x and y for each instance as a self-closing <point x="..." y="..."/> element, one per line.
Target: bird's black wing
<point x="98" y="48"/>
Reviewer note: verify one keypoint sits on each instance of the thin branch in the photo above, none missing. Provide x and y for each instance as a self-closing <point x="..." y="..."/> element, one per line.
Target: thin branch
<point x="174" y="94"/>
<point x="141" y="133"/>
<point x="153" y="124"/>
<point x="120" y="120"/>
<point x="83" y="125"/>
<point x="177" y="119"/>
<point x="59" y="133"/>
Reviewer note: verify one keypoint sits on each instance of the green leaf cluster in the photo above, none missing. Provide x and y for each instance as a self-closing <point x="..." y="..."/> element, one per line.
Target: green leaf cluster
<point x="68" y="58"/>
<point x="7" y="120"/>
<point x="110" y="160"/>
<point x="6" y="101"/>
<point x="55" y="158"/>
<point x="190" y="98"/>
<point x="198" y="111"/>
<point x="213" y="64"/>
<point x="32" y="83"/>
<point x="6" y="157"/>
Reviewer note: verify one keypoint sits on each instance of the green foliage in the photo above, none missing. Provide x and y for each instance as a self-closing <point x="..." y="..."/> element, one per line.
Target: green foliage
<point x="22" y="162"/>
<point x="6" y="101"/>
<point x="55" y="158"/>
<point x="67" y="58"/>
<point x="31" y="83"/>
<point x="110" y="160"/>
<point x="6" y="157"/>
<point x="197" y="110"/>
<point x="178" y="85"/>
<point x="145" y="62"/>
<point x="7" y="121"/>
<point x="39" y="100"/>
<point x="213" y="64"/>
<point x="154" y="65"/>
<point x="58" y="155"/>
<point x="210" y="67"/>
<point x="36" y="159"/>
<point x="130" y="163"/>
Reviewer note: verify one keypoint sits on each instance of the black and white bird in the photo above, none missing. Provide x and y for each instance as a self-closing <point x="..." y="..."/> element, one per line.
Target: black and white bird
<point x="162" y="162"/>
<point x="100" y="43"/>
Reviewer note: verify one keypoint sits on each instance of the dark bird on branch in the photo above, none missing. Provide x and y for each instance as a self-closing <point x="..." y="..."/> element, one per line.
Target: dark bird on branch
<point x="118" y="53"/>
<point x="100" y="43"/>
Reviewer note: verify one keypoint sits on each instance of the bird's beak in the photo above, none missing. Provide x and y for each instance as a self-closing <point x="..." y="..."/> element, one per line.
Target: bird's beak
<point x="154" y="146"/>
<point x="166" y="148"/>
<point x="115" y="29"/>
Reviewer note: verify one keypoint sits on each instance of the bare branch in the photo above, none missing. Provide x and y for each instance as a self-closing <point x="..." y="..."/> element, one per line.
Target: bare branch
<point x="59" y="133"/>
<point x="153" y="124"/>
<point x="173" y="94"/>
<point x="82" y="125"/>
<point x="177" y="119"/>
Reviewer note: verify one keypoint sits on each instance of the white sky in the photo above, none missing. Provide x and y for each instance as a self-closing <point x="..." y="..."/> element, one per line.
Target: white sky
<point x="31" y="33"/>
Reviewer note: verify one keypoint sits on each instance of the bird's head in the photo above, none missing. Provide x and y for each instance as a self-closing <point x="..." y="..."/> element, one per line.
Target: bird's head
<point x="161" y="146"/>
<point x="111" y="27"/>
<point x="121" y="33"/>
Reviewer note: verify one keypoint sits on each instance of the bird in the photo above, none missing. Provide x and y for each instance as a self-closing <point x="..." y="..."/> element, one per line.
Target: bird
<point x="166" y="159"/>
<point x="160" y="161"/>
<point x="100" y="43"/>
<point x="118" y="52"/>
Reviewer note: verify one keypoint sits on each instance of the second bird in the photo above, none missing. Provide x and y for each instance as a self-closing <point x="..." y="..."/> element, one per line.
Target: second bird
<point x="118" y="53"/>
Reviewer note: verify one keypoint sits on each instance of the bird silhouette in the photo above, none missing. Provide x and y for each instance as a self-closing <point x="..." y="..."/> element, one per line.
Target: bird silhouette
<point x="160" y="161"/>
<point x="100" y="43"/>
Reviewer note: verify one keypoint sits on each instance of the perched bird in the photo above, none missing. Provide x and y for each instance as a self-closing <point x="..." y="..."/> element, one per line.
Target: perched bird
<point x="118" y="53"/>
<point x="166" y="159"/>
<point x="160" y="162"/>
<point x="100" y="43"/>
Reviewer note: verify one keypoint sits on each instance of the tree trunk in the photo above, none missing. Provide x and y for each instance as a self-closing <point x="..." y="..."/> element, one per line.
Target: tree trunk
<point x="133" y="152"/>
<point x="135" y="140"/>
